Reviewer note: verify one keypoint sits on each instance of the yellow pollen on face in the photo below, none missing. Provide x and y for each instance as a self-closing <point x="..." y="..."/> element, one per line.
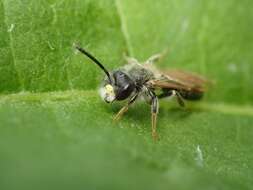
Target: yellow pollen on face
<point x="109" y="89"/>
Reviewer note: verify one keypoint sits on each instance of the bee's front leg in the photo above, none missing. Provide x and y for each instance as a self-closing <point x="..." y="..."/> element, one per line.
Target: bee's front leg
<point x="125" y="108"/>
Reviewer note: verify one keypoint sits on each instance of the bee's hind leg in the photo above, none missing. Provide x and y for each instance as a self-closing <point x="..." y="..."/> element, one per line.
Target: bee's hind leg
<point x="180" y="99"/>
<point x="157" y="57"/>
<point x="130" y="60"/>
<point x="172" y="93"/>
<point x="124" y="109"/>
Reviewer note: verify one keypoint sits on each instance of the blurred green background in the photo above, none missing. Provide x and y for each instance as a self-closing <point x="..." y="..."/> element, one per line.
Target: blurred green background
<point x="55" y="132"/>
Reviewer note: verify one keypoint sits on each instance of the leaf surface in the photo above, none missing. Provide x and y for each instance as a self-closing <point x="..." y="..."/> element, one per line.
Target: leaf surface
<point x="55" y="132"/>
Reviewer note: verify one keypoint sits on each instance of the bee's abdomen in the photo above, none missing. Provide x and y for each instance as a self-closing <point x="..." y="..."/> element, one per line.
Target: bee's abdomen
<point x="192" y="95"/>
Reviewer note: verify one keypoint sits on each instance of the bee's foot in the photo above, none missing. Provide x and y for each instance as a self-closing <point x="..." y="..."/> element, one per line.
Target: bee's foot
<point x="155" y="136"/>
<point x="116" y="118"/>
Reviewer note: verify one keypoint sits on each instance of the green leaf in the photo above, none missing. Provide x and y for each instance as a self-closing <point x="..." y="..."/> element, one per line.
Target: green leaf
<point x="41" y="35"/>
<point x="54" y="136"/>
<point x="209" y="37"/>
<point x="55" y="131"/>
<point x="8" y="74"/>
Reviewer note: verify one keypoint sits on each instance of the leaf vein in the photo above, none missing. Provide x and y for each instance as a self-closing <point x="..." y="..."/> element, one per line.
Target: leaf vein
<point x="224" y="108"/>
<point x="124" y="28"/>
<point x="11" y="45"/>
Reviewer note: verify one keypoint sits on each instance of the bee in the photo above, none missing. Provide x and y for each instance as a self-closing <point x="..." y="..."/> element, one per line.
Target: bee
<point x="135" y="80"/>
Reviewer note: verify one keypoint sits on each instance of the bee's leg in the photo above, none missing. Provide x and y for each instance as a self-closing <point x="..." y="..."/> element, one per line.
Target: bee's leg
<point x="172" y="93"/>
<point x="157" y="57"/>
<point x="154" y="112"/>
<point x="125" y="108"/>
<point x="130" y="60"/>
<point x="180" y="99"/>
<point x="165" y="94"/>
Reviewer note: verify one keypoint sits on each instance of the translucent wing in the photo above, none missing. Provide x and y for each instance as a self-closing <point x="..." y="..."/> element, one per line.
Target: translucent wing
<point x="180" y="80"/>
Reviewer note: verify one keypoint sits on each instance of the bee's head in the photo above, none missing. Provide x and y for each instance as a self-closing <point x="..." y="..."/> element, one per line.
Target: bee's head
<point x="117" y="86"/>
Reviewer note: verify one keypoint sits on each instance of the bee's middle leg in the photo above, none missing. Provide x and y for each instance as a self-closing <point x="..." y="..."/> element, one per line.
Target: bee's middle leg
<point x="154" y="112"/>
<point x="124" y="109"/>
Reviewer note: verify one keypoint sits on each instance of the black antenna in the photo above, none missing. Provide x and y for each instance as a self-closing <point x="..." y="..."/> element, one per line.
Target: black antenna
<point x="94" y="60"/>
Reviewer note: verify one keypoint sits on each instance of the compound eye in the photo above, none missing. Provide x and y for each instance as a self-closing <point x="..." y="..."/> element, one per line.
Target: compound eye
<point x="124" y="92"/>
<point x="124" y="85"/>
